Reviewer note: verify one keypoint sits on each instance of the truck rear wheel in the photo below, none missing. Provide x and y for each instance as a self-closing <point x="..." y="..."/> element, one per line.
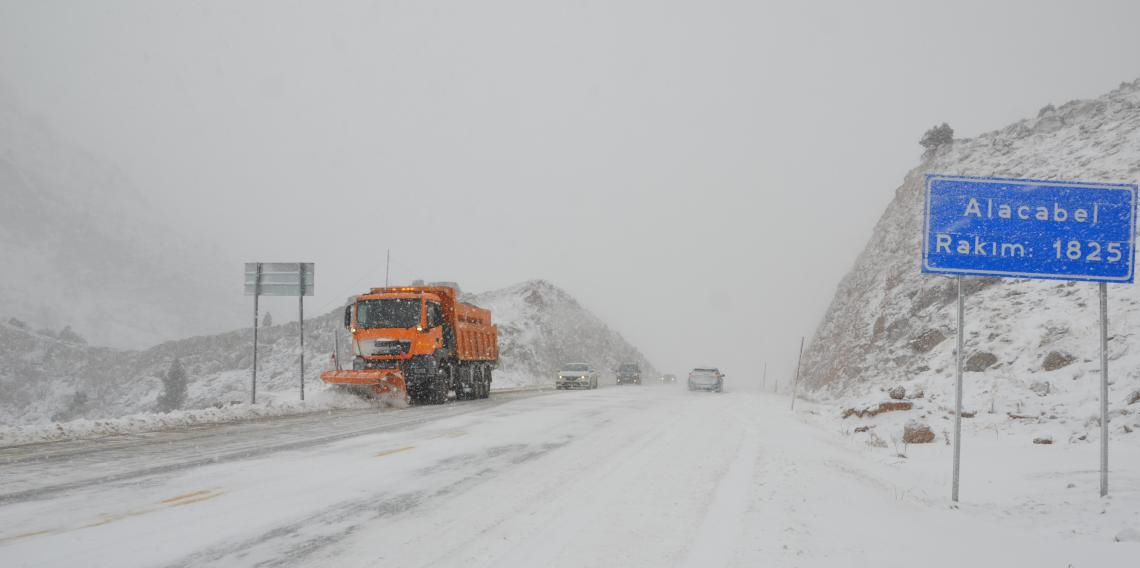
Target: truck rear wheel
<point x="485" y="382"/>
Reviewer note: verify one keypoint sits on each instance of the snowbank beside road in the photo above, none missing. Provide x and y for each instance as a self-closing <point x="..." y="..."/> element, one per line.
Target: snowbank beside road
<point x="272" y="405"/>
<point x="1050" y="489"/>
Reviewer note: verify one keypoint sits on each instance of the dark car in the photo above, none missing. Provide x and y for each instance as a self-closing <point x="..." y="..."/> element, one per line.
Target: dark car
<point x="628" y="373"/>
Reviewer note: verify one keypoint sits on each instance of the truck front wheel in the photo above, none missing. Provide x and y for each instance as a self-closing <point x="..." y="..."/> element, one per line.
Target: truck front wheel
<point x="439" y="385"/>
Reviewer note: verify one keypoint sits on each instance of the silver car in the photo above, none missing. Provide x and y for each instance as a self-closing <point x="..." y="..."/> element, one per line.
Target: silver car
<point x="576" y="376"/>
<point x="706" y="379"/>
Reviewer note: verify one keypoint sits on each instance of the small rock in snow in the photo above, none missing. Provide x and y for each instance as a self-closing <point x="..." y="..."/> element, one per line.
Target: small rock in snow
<point x="979" y="362"/>
<point x="1056" y="359"/>
<point x="1134" y="397"/>
<point x="1044" y="440"/>
<point x="1127" y="535"/>
<point x="915" y="432"/>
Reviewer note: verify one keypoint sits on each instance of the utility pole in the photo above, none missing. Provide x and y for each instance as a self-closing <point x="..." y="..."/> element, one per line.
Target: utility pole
<point x="796" y="384"/>
<point x="301" y="320"/>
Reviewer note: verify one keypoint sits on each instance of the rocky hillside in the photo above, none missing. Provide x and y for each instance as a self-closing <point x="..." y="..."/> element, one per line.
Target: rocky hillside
<point x="47" y="377"/>
<point x="542" y="327"/>
<point x="1032" y="346"/>
<point x="81" y="248"/>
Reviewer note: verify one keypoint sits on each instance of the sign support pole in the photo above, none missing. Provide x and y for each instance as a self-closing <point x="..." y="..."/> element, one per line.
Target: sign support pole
<point x="1103" y="389"/>
<point x="256" y="293"/>
<point x="301" y="320"/>
<point x="796" y="384"/>
<point x="336" y="346"/>
<point x="958" y="396"/>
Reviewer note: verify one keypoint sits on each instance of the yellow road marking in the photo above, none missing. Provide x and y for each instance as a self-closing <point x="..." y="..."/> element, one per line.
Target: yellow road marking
<point x="16" y="537"/>
<point x="185" y="496"/>
<point x="185" y="499"/>
<point x="394" y="451"/>
<point x="203" y="496"/>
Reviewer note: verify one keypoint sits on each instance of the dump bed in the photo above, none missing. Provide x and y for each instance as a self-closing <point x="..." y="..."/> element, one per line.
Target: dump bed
<point x="476" y="338"/>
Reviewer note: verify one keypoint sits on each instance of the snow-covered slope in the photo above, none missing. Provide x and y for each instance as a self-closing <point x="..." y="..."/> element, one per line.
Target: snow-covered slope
<point x="45" y="378"/>
<point x="1037" y="341"/>
<point x="81" y="248"/>
<point x="541" y="327"/>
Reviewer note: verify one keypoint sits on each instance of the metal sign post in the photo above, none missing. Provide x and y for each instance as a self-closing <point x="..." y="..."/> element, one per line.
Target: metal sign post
<point x="1021" y="228"/>
<point x="279" y="279"/>
<point x="256" y="293"/>
<point x="1103" y="389"/>
<point x="958" y="394"/>
<point x="796" y="383"/>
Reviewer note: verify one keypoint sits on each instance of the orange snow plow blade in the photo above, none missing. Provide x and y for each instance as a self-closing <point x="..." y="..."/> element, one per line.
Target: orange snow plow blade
<point x="382" y="382"/>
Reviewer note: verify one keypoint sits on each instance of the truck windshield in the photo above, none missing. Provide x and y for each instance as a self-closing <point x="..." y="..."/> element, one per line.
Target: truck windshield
<point x="577" y="367"/>
<point x="627" y="368"/>
<point x="388" y="312"/>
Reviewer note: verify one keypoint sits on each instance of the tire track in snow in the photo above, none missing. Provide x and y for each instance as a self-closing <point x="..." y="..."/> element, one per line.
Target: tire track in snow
<point x="721" y="527"/>
<point x="127" y="463"/>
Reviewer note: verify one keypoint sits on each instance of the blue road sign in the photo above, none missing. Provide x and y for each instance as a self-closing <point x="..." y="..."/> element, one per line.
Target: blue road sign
<point x="1029" y="228"/>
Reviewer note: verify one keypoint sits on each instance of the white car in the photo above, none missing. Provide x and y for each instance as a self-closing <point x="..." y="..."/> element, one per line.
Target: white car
<point x="577" y="376"/>
<point x="706" y="379"/>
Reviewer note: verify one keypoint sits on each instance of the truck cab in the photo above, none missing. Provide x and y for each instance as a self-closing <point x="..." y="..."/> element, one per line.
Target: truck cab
<point x="398" y="330"/>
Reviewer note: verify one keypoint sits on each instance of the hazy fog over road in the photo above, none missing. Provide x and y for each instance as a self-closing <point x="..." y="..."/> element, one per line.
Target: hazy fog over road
<point x="689" y="170"/>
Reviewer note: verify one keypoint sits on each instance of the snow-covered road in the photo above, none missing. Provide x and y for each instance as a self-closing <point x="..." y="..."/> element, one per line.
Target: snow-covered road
<point x="631" y="476"/>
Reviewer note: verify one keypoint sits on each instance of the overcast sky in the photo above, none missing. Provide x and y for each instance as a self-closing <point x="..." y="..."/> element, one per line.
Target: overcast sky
<point x="701" y="174"/>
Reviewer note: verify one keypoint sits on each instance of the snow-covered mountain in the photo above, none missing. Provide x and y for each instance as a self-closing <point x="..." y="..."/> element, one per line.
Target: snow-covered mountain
<point x="1032" y="346"/>
<point x="81" y="248"/>
<point x="541" y="327"/>
<point x="45" y="377"/>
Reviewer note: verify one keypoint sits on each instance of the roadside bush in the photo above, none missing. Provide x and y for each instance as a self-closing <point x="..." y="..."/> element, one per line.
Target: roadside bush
<point x="174" y="388"/>
<point x="936" y="136"/>
<point x="76" y="407"/>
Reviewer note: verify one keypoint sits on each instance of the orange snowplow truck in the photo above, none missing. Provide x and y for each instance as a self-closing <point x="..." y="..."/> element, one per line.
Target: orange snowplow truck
<point x="418" y="342"/>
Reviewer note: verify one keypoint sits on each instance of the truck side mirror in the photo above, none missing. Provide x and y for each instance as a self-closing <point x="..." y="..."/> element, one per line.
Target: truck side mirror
<point x="348" y="316"/>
